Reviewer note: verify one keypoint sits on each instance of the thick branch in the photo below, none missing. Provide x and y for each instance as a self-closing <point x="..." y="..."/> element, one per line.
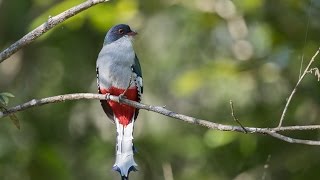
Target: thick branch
<point x="161" y="110"/>
<point x="43" y="28"/>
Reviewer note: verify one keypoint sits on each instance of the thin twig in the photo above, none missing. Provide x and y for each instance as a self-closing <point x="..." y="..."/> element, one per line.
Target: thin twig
<point x="235" y="118"/>
<point x="265" y="167"/>
<point x="43" y="28"/>
<point x="161" y="110"/>
<point x="295" y="88"/>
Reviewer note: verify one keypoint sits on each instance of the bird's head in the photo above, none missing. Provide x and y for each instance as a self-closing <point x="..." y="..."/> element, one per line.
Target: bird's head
<point x="117" y="32"/>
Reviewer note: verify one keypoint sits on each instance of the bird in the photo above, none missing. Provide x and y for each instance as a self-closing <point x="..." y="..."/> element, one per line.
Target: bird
<point x="119" y="73"/>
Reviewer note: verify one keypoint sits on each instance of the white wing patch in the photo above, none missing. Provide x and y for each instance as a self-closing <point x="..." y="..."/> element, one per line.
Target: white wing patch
<point x="138" y="83"/>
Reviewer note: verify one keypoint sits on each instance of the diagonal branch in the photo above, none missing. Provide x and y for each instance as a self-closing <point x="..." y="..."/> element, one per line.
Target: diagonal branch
<point x="295" y="88"/>
<point x="43" y="28"/>
<point x="274" y="132"/>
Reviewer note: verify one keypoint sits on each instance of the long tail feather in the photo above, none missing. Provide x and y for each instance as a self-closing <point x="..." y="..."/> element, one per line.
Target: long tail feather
<point x="124" y="178"/>
<point x="124" y="150"/>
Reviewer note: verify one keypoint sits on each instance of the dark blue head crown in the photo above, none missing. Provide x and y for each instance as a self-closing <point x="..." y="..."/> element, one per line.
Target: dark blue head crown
<point x="116" y="32"/>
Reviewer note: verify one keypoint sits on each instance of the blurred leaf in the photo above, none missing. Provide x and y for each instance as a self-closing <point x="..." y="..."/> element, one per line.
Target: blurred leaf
<point x="105" y="15"/>
<point x="101" y="16"/>
<point x="13" y="117"/>
<point x="15" y="120"/>
<point x="73" y="22"/>
<point x="4" y="100"/>
<point x="248" y="144"/>
<point x="42" y="3"/>
<point x="188" y="83"/>
<point x="216" y="139"/>
<point x="192" y="80"/>
<point x="7" y="94"/>
<point x="249" y="5"/>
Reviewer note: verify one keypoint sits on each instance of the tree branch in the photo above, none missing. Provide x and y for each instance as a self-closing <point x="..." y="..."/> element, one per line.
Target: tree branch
<point x="274" y="132"/>
<point x="43" y="28"/>
<point x="295" y="88"/>
<point x="235" y="118"/>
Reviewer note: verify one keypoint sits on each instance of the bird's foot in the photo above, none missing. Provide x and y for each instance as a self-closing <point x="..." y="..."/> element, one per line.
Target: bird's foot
<point x="107" y="97"/>
<point x="122" y="95"/>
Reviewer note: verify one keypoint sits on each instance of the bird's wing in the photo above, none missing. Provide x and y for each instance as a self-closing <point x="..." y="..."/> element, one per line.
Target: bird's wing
<point x="106" y="107"/>
<point x="136" y="69"/>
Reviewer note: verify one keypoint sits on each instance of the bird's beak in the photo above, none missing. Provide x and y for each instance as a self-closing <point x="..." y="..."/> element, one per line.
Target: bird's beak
<point x="132" y="33"/>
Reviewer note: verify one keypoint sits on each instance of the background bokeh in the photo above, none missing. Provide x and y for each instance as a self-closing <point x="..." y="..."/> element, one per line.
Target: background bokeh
<point x="196" y="55"/>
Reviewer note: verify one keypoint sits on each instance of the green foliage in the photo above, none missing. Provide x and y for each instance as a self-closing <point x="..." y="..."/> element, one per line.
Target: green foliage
<point x="99" y="16"/>
<point x="4" y="98"/>
<point x="4" y="101"/>
<point x="196" y="56"/>
<point x="216" y="139"/>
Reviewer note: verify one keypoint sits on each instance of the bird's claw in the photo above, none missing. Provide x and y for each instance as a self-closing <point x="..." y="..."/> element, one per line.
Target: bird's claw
<point x="107" y="97"/>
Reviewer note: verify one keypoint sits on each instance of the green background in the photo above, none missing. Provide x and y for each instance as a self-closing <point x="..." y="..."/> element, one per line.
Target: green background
<point x="196" y="55"/>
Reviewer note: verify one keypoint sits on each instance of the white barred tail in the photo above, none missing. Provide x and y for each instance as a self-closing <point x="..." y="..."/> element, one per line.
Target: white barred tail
<point x="124" y="150"/>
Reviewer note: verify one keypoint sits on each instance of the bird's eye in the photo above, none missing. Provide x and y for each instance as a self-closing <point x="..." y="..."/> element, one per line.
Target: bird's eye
<point x="120" y="31"/>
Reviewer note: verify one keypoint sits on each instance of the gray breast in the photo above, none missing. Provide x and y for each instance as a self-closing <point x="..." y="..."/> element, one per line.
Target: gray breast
<point x="114" y="63"/>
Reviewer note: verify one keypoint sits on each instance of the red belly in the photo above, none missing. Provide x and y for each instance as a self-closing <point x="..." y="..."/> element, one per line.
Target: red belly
<point x="123" y="112"/>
